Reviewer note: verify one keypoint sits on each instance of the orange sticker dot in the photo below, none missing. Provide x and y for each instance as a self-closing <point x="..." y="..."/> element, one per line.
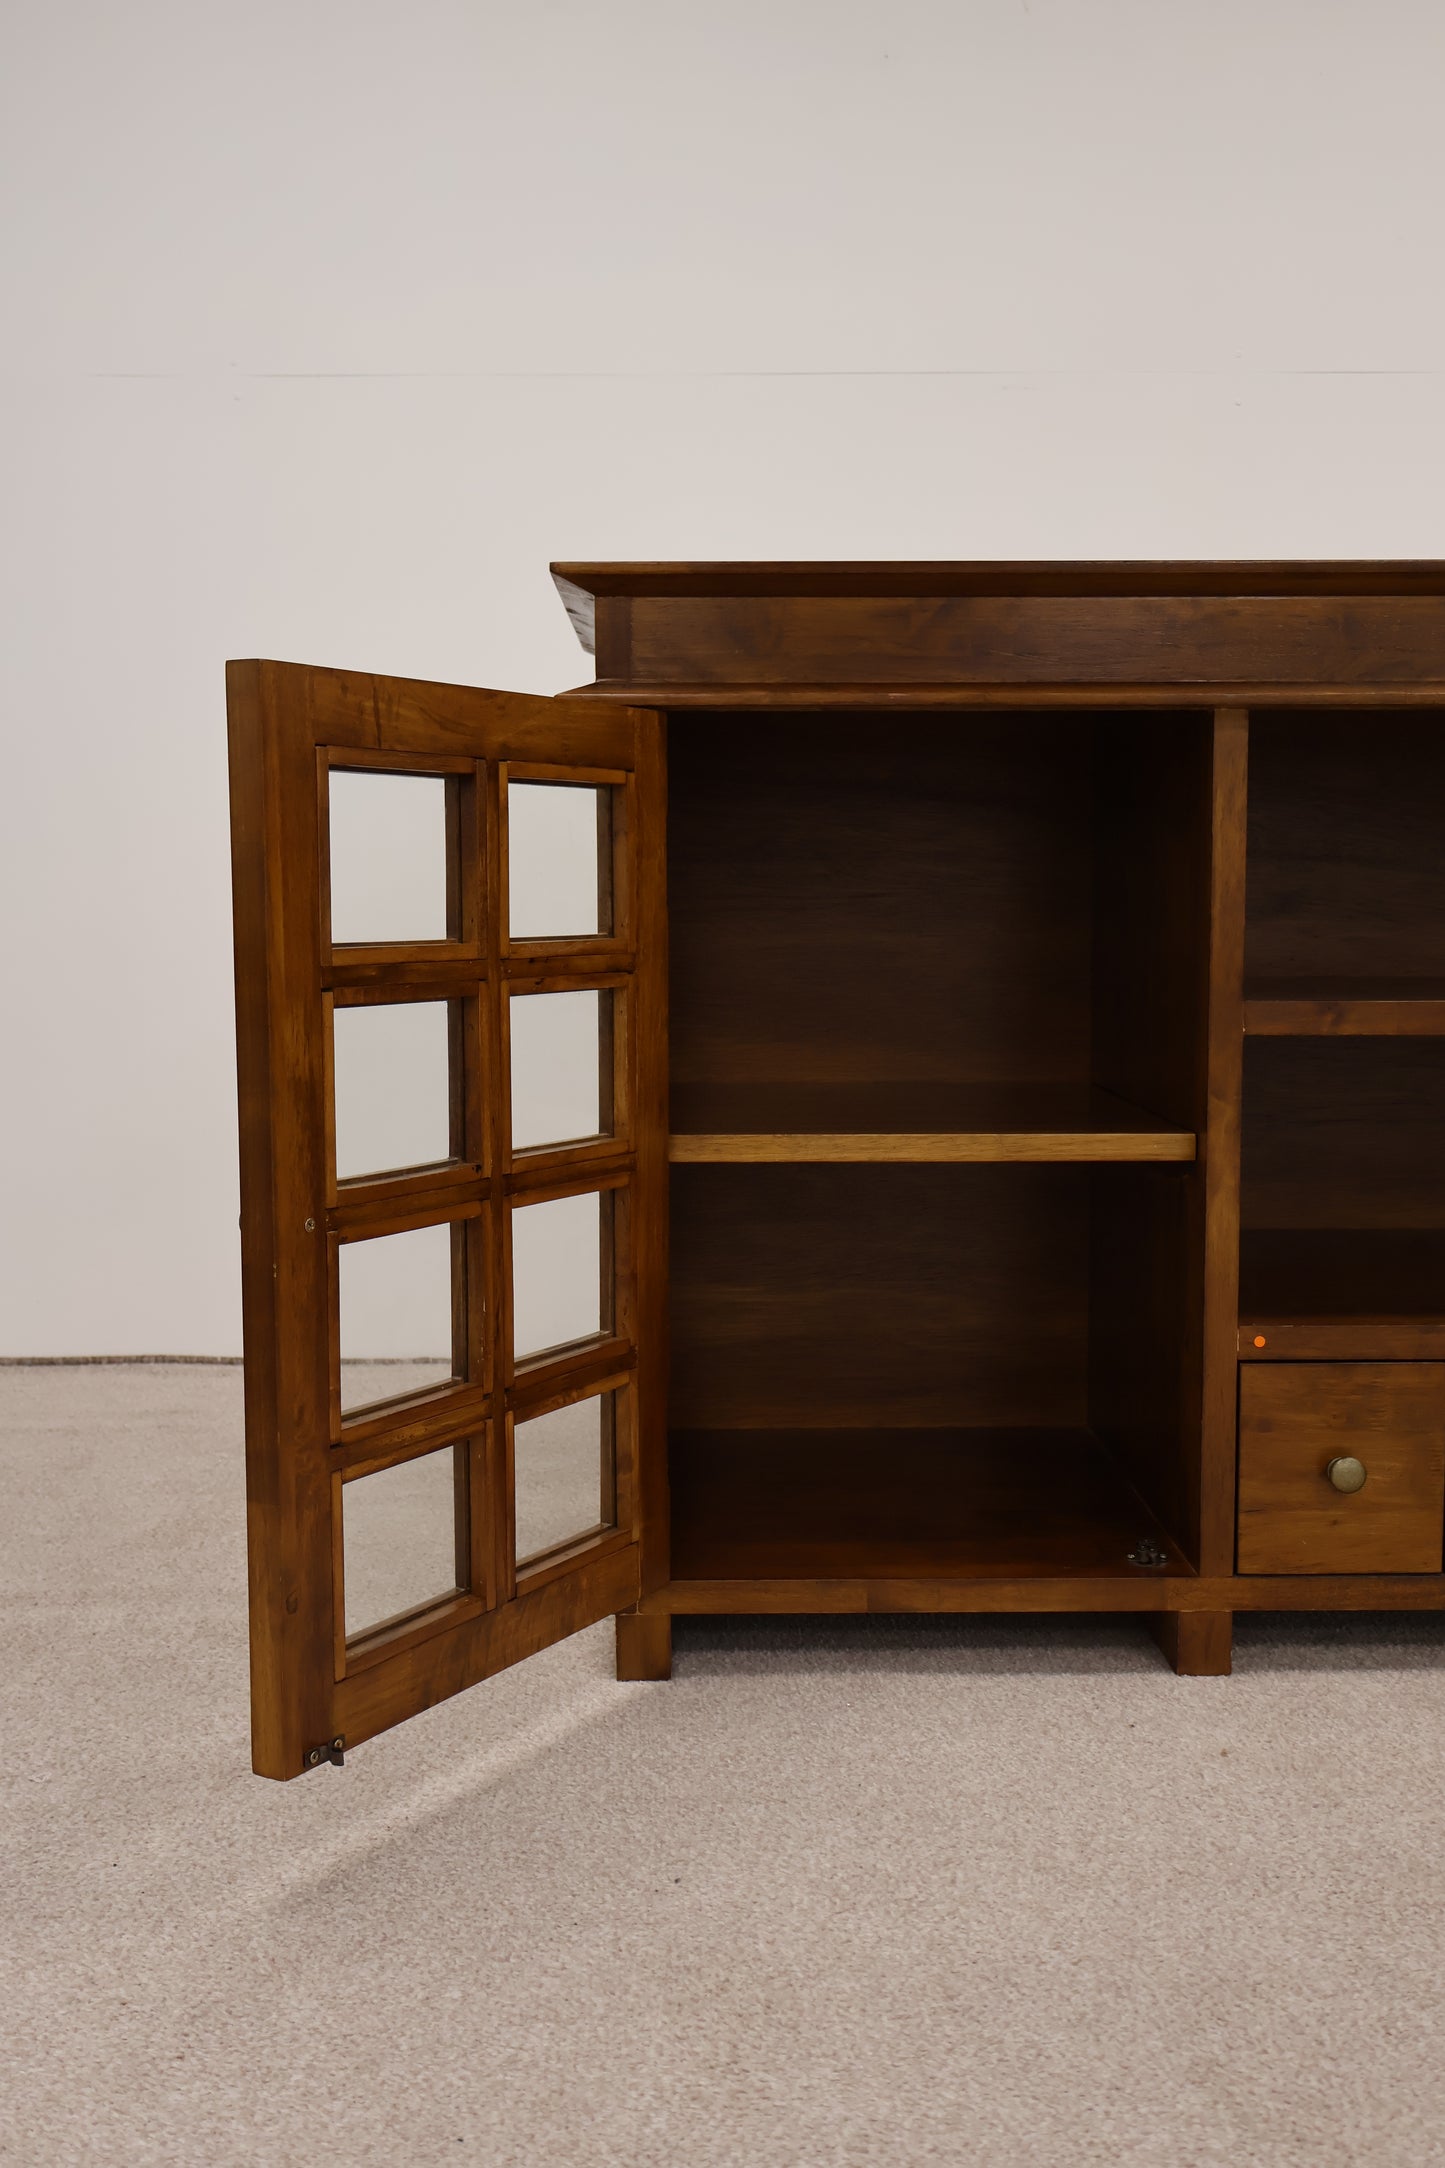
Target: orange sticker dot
<point x="1259" y="1339"/>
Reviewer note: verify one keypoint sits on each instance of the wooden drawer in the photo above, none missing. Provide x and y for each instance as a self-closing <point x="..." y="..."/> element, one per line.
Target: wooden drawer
<point x="1294" y="1419"/>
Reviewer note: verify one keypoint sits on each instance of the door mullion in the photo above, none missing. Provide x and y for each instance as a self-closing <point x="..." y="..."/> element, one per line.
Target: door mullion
<point x="492" y="1508"/>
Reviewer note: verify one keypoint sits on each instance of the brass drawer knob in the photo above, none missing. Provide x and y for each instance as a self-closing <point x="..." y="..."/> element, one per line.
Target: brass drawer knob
<point x="1347" y="1473"/>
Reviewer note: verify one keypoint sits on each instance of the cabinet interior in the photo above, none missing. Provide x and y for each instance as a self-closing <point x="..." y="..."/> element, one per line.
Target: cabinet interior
<point x="975" y="972"/>
<point x="1342" y="1200"/>
<point x="1346" y="876"/>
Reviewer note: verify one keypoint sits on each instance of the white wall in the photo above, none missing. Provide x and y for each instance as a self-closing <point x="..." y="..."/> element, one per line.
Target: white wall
<point x="330" y="322"/>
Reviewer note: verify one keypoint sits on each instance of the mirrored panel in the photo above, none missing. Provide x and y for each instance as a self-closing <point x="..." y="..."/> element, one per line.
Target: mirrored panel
<point x="388" y="856"/>
<point x="393" y="1083"/>
<point x="561" y="1067"/>
<point x="559" y="860"/>
<point x="564" y="1474"/>
<point x="561" y="1272"/>
<point x="396" y="1314"/>
<point x="400" y="1532"/>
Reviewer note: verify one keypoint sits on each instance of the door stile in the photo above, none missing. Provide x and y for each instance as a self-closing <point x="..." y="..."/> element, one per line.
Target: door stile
<point x="281" y="1085"/>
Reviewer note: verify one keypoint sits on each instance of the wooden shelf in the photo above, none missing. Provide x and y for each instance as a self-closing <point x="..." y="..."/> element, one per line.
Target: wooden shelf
<point x="983" y="1504"/>
<point x="914" y="1122"/>
<point x="1345" y="1008"/>
<point x="1342" y="1294"/>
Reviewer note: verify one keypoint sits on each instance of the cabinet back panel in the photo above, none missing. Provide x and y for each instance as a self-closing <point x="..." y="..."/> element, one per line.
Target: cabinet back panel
<point x="1346" y="864"/>
<point x="1343" y="1133"/>
<point x="1151" y="910"/>
<point x="858" y="1297"/>
<point x="1146" y="1360"/>
<point x="877" y="898"/>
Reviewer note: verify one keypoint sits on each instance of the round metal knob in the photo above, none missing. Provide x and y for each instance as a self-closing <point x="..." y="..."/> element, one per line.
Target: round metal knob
<point x="1347" y="1473"/>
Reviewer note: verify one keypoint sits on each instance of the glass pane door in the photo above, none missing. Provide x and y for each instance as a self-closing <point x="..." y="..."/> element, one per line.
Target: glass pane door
<point x="440" y="995"/>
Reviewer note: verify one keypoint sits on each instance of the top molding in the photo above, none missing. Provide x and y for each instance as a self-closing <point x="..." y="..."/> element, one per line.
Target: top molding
<point x="1320" y="631"/>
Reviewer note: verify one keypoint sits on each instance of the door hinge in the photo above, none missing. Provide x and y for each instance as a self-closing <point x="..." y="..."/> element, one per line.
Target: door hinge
<point x="1146" y="1552"/>
<point x="334" y="1751"/>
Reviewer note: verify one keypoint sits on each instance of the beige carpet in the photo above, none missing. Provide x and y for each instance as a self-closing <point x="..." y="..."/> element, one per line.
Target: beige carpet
<point x="885" y="1892"/>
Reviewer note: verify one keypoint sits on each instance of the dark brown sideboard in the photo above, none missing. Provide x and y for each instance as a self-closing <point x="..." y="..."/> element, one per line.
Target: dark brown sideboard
<point x="1016" y="1172"/>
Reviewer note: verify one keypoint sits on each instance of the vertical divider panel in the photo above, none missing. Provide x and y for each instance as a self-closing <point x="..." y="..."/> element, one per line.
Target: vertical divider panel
<point x="650" y="1126"/>
<point x="1220" y="1141"/>
<point x="1150" y="972"/>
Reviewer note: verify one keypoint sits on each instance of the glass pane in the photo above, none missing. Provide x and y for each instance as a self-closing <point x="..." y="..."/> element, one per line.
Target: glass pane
<point x="559" y="860"/>
<point x="564" y="1474"/>
<point x="388" y="856"/>
<point x="393" y="1075"/>
<point x="559" y="1289"/>
<point x="561" y="1066"/>
<point x="399" y="1537"/>
<point x="396" y="1314"/>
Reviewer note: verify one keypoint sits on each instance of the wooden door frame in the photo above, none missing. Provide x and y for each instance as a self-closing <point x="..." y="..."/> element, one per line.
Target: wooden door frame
<point x="288" y="726"/>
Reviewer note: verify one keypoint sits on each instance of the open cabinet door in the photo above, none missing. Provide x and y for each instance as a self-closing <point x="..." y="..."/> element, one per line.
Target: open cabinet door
<point x="450" y="995"/>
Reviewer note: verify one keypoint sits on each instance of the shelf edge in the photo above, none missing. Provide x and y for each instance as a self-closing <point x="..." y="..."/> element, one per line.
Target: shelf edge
<point x="1344" y="1018"/>
<point x="1344" y="1338"/>
<point x="944" y="1147"/>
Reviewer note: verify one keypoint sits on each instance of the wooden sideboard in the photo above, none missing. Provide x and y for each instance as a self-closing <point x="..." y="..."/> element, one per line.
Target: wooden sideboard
<point x="1010" y="1166"/>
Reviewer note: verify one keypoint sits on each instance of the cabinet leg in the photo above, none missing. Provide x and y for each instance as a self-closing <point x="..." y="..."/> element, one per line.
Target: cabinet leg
<point x="1197" y="1643"/>
<point x="644" y="1644"/>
